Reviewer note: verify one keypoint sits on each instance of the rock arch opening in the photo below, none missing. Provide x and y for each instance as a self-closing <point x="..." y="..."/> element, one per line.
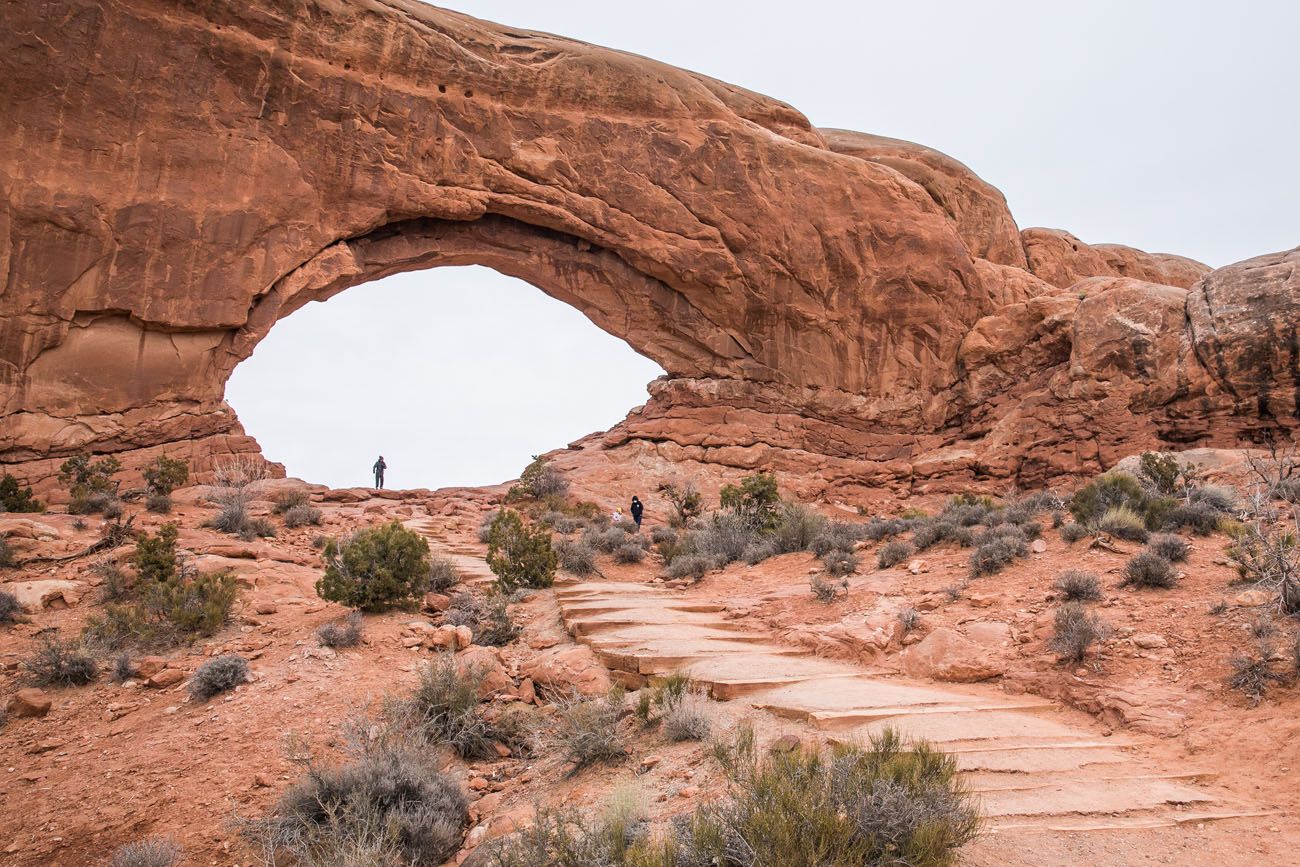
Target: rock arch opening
<point x="456" y="374"/>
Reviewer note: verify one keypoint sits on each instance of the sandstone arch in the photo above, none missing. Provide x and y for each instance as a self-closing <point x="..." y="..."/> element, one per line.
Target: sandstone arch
<point x="810" y="294"/>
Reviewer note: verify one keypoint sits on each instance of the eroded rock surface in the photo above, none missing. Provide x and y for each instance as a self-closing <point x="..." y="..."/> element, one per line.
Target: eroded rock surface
<point x="854" y="310"/>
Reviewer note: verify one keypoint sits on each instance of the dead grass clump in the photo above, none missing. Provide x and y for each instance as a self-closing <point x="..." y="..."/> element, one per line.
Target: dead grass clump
<point x="585" y="730"/>
<point x="338" y="634"/>
<point x="1146" y="568"/>
<point x="1076" y="630"/>
<point x="1253" y="675"/>
<point x="687" y="716"/>
<point x="153" y="852"/>
<point x="10" y="607"/>
<point x="442" y="574"/>
<point x="827" y="591"/>
<point x="839" y="564"/>
<point x="218" y="675"/>
<point x="444" y="708"/>
<point x="1173" y="548"/>
<point x="389" y="806"/>
<point x="894" y="552"/>
<point x="61" y="663"/>
<point x="1076" y="585"/>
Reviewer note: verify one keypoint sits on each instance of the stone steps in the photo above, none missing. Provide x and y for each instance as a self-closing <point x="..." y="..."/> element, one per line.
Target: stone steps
<point x="1030" y="768"/>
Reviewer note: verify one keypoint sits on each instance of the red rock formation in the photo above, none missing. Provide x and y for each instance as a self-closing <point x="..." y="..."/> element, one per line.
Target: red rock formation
<point x="824" y="302"/>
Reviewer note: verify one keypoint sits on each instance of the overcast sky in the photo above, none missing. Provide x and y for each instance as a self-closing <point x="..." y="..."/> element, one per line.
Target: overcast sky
<point x="1171" y="127"/>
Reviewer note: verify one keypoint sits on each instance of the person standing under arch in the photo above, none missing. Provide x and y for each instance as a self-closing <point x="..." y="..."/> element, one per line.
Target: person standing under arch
<point x="379" y="468"/>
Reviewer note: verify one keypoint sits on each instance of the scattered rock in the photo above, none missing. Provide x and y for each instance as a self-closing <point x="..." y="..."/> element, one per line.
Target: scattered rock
<point x="1038" y="546"/>
<point x="948" y="656"/>
<point x="563" y="669"/>
<point x="35" y="596"/>
<point x="1252" y="598"/>
<point x="786" y="743"/>
<point x="1149" y="641"/>
<point x="29" y="702"/>
<point x="165" y="678"/>
<point x="916" y="567"/>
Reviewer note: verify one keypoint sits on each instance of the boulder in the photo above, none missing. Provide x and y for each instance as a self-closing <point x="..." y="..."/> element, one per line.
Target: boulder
<point x="35" y="596"/>
<point x="948" y="656"/>
<point x="487" y="662"/>
<point x="562" y="670"/>
<point x="29" y="702"/>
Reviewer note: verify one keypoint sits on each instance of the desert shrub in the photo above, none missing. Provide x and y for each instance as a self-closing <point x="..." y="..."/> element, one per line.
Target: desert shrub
<point x="444" y="708"/>
<point x="98" y="502"/>
<point x="341" y="633"/>
<point x="662" y="535"/>
<point x="390" y="806"/>
<point x="724" y="539"/>
<point x="996" y="547"/>
<point x="1173" y="548"/>
<point x="218" y="675"/>
<point x="302" y="516"/>
<point x="442" y="574"/>
<point x="1201" y="518"/>
<point x="518" y="555"/>
<point x="630" y="553"/>
<point x="755" y="500"/>
<point x="485" y="526"/>
<point x="685" y="500"/>
<point x="934" y="532"/>
<point x="1253" y="674"/>
<point x="606" y="540"/>
<point x="576" y="556"/>
<point x="160" y="504"/>
<point x="1123" y="523"/>
<point x="123" y="668"/>
<point x="1076" y="630"/>
<point x="1161" y="472"/>
<point x="1270" y="558"/>
<point x="584" y="731"/>
<point x="967" y="510"/>
<point x="539" y="480"/>
<point x="563" y="523"/>
<point x="840" y="563"/>
<point x="827" y="591"/>
<point x="257" y="528"/>
<point x="693" y="566"/>
<point x="909" y="618"/>
<point x="60" y="663"/>
<point x="1073" y="532"/>
<point x="1286" y="489"/>
<point x="894" y="552"/>
<point x="10" y="608"/>
<point x="878" y="804"/>
<point x="231" y="516"/>
<point x="1147" y="568"/>
<point x="153" y="852"/>
<point x="836" y="536"/>
<point x="758" y="551"/>
<point x="878" y="529"/>
<point x="563" y="837"/>
<point x="1107" y="491"/>
<point x="6" y="553"/>
<point x="687" y="716"/>
<point x="492" y="624"/>
<point x="165" y="475"/>
<point x="172" y="602"/>
<point x="1221" y="499"/>
<point x="1075" y="585"/>
<point x="287" y="501"/>
<point x="796" y="528"/>
<point x="17" y="498"/>
<point x="376" y="569"/>
<point x="84" y="477"/>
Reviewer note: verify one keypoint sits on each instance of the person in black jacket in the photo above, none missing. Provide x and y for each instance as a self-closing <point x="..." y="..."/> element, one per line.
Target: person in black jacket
<point x="636" y="511"/>
<point x="379" y="468"/>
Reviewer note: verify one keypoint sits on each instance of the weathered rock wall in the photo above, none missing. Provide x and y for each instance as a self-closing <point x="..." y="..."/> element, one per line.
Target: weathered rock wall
<point x="176" y="177"/>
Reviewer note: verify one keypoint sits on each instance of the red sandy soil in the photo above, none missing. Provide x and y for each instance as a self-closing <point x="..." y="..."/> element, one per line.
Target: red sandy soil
<point x="113" y="763"/>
